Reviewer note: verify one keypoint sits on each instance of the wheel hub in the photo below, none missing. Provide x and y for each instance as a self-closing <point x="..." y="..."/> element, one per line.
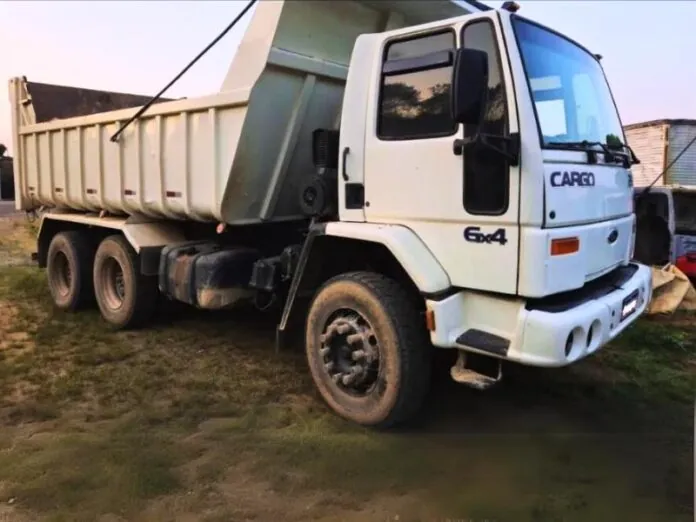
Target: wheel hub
<point x="120" y="285"/>
<point x="310" y="195"/>
<point x="114" y="284"/>
<point x="63" y="274"/>
<point x="350" y="352"/>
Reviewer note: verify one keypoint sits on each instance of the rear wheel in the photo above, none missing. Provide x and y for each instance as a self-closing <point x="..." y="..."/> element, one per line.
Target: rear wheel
<point x="368" y="350"/>
<point x="69" y="270"/>
<point x="126" y="298"/>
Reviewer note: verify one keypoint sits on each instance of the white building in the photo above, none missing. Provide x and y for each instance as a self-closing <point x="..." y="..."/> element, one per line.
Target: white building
<point x="657" y="143"/>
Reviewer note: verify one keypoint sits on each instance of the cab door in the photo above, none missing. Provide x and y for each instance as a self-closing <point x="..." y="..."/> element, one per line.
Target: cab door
<point x="463" y="204"/>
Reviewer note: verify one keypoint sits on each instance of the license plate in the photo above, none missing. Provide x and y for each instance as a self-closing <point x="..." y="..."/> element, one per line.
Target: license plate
<point x="629" y="305"/>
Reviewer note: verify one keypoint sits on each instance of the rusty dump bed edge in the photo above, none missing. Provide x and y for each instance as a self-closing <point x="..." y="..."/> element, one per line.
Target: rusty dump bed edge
<point x="51" y="102"/>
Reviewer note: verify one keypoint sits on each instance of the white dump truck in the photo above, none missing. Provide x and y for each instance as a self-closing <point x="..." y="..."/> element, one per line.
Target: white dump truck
<point x="397" y="175"/>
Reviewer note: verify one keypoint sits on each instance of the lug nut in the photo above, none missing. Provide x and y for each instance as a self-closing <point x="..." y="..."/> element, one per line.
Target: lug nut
<point x="354" y="338"/>
<point x="343" y="328"/>
<point x="348" y="379"/>
<point x="358" y="354"/>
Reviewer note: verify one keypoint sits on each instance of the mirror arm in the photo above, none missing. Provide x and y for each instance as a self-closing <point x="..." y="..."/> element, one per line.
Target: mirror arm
<point x="509" y="146"/>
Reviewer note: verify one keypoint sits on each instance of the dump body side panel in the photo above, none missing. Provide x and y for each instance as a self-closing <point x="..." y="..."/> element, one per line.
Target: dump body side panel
<point x="171" y="163"/>
<point x="240" y="156"/>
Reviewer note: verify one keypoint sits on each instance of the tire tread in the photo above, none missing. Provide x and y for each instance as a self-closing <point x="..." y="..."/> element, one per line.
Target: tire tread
<point x="413" y="342"/>
<point x="146" y="290"/>
<point x="84" y="256"/>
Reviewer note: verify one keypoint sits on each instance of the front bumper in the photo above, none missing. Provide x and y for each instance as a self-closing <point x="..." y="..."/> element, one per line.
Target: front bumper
<point x="548" y="332"/>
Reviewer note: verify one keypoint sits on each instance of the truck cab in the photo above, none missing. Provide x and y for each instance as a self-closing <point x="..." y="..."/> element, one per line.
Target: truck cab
<point x="497" y="144"/>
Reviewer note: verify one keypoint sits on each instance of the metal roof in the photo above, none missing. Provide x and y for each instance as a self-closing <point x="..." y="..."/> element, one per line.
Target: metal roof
<point x="668" y="188"/>
<point x="652" y="123"/>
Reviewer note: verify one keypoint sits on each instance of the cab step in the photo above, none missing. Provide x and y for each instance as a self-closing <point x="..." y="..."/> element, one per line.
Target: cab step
<point x="480" y="378"/>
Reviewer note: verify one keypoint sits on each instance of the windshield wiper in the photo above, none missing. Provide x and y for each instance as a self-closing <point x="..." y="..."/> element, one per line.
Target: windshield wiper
<point x="610" y="156"/>
<point x="625" y="146"/>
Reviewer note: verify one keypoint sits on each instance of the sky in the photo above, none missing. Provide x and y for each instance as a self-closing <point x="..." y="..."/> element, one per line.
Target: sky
<point x="137" y="47"/>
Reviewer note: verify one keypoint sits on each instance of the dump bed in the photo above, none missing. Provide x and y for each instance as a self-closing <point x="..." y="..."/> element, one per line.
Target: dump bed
<point x="238" y="156"/>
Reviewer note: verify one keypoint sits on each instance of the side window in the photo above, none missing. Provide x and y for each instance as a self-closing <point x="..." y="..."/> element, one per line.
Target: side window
<point x="486" y="176"/>
<point x="415" y="90"/>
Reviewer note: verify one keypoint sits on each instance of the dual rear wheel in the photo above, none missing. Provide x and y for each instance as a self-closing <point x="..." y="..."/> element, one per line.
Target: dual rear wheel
<point x="80" y="272"/>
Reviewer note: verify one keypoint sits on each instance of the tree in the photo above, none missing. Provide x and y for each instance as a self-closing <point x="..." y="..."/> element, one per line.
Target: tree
<point x="613" y="141"/>
<point x="439" y="100"/>
<point x="399" y="98"/>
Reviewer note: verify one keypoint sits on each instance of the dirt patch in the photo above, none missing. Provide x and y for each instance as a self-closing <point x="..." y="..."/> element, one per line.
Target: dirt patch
<point x="8" y="507"/>
<point x="11" y="334"/>
<point x="8" y="513"/>
<point x="17" y="240"/>
<point x="8" y="315"/>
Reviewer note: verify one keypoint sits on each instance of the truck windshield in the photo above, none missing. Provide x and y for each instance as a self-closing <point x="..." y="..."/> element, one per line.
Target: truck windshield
<point x="572" y="99"/>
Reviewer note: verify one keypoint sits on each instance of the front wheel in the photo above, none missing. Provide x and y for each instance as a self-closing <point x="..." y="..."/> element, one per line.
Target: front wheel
<point x="368" y="349"/>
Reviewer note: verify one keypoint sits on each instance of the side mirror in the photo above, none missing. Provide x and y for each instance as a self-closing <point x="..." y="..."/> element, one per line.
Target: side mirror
<point x="469" y="86"/>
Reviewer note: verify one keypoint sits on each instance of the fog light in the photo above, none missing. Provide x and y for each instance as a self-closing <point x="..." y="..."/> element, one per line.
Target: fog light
<point x="569" y="344"/>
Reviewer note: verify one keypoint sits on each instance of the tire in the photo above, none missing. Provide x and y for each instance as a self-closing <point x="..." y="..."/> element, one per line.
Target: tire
<point x="385" y="319"/>
<point x="69" y="270"/>
<point x="126" y="298"/>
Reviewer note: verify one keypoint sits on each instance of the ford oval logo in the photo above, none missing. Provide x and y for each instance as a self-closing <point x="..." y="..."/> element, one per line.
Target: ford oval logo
<point x="613" y="236"/>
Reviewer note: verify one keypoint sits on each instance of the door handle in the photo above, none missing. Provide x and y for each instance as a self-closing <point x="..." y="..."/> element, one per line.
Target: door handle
<point x="458" y="147"/>
<point x="346" y="151"/>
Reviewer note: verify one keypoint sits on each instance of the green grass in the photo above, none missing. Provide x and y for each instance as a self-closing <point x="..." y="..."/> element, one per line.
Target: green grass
<point x="78" y="474"/>
<point x="198" y="417"/>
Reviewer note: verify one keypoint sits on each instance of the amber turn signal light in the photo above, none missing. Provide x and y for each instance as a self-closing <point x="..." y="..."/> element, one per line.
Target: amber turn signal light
<point x="564" y="246"/>
<point x="430" y="320"/>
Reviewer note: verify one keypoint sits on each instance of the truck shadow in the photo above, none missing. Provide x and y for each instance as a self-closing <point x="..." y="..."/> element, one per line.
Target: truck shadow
<point x="574" y="439"/>
<point x="527" y="400"/>
<point x="534" y="400"/>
